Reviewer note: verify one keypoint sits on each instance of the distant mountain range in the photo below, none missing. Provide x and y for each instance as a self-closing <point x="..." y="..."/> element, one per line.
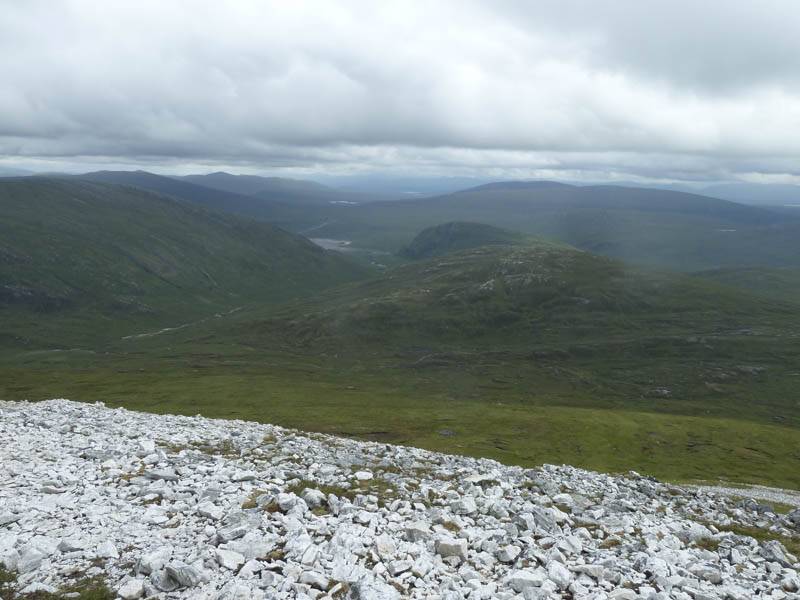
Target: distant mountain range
<point x="675" y="230"/>
<point x="666" y="228"/>
<point x="767" y="194"/>
<point x="278" y="188"/>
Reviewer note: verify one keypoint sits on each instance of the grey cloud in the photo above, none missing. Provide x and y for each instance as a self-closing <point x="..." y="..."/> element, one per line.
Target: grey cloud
<point x="656" y="89"/>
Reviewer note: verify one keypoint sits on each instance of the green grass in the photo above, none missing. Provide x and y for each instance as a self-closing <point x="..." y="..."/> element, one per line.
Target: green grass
<point x="541" y="421"/>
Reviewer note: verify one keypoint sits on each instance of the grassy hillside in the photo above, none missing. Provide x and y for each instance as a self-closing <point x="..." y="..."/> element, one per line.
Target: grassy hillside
<point x="450" y="237"/>
<point x="527" y="354"/>
<point x="80" y="260"/>
<point x="522" y="296"/>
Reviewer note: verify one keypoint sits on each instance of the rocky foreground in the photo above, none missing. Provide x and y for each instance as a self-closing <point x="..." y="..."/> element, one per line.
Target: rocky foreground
<point x="188" y="507"/>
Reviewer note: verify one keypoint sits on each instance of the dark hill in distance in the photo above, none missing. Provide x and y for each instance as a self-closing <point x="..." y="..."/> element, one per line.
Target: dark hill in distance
<point x="514" y="185"/>
<point x="285" y="210"/>
<point x="663" y="228"/>
<point x="281" y="189"/>
<point x="82" y="260"/>
<point x="450" y="237"/>
<point x="543" y="196"/>
<point x="262" y="210"/>
<point x="674" y="230"/>
<point x="764" y="194"/>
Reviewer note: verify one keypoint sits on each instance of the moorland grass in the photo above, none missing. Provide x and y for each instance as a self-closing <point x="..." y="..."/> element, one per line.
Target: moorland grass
<point x="545" y="425"/>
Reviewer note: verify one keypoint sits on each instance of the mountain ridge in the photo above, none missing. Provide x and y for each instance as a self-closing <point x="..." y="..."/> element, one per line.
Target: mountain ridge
<point x="152" y="259"/>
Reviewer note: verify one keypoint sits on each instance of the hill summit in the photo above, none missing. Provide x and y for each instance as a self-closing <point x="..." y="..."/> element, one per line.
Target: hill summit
<point x="457" y="235"/>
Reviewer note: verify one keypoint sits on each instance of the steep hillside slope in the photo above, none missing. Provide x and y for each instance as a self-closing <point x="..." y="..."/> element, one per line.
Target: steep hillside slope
<point x="276" y="209"/>
<point x="116" y="256"/>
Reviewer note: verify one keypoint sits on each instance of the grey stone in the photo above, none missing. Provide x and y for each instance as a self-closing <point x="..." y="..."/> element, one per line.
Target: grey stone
<point x="30" y="560"/>
<point x="313" y="498"/>
<point x="558" y="574"/>
<point x="508" y="554"/>
<point x="9" y="558"/>
<point x="165" y="474"/>
<point x="794" y="516"/>
<point x="371" y="588"/>
<point x="520" y="580"/>
<point x="418" y="530"/>
<point x="774" y="551"/>
<point x="398" y="567"/>
<point x="133" y="589"/>
<point x="107" y="549"/>
<point x="8" y="518"/>
<point x="72" y="545"/>
<point x="250" y="568"/>
<point x="38" y="587"/>
<point x="229" y="559"/>
<point x="544" y="519"/>
<point x="163" y="581"/>
<point x="315" y="579"/>
<point x="209" y="510"/>
<point x="286" y="502"/>
<point x="153" y="560"/>
<point x="185" y="575"/>
<point x="464" y="506"/>
<point x="241" y="476"/>
<point x="446" y="547"/>
<point x="231" y="532"/>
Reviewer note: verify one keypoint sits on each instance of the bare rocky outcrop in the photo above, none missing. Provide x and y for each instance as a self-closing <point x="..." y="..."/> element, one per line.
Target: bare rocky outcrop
<point x="188" y="507"/>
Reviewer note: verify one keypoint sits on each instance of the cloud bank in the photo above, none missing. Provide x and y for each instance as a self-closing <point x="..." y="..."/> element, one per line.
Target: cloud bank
<point x="671" y="90"/>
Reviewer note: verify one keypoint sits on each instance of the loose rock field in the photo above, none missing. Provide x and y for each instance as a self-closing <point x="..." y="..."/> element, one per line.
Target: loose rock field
<point x="188" y="507"/>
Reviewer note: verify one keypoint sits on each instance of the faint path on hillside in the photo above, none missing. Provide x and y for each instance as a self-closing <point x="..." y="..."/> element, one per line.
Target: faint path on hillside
<point x="177" y="327"/>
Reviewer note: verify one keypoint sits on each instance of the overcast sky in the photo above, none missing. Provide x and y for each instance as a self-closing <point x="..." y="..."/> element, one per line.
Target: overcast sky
<point x="623" y="89"/>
